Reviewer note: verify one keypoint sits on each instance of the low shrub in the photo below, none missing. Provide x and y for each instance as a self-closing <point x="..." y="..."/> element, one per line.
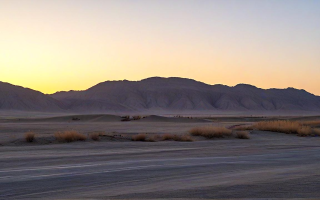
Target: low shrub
<point x="152" y="139"/>
<point x="183" y="138"/>
<point x="139" y="137"/>
<point x="95" y="136"/>
<point x="29" y="136"/>
<point x="136" y="117"/>
<point x="316" y="132"/>
<point x="125" y="118"/>
<point x="167" y="136"/>
<point x="242" y="135"/>
<point x="211" y="132"/>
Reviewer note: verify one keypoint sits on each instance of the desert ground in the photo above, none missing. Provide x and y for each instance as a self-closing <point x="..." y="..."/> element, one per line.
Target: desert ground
<point x="269" y="165"/>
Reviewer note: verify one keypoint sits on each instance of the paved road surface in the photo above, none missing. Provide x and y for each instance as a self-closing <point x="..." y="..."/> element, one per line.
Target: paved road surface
<point x="283" y="167"/>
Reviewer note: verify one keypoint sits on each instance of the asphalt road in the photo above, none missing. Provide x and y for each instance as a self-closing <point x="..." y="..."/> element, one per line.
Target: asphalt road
<point x="266" y="166"/>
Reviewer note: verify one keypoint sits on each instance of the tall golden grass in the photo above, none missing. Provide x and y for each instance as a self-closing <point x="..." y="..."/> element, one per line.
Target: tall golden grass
<point x="29" y="136"/>
<point x="69" y="136"/>
<point x="278" y="126"/>
<point x="289" y="127"/>
<point x="211" y="132"/>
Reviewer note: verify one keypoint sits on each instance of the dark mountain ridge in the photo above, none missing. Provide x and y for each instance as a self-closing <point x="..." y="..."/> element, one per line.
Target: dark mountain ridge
<point x="163" y="95"/>
<point x="179" y="94"/>
<point x="14" y="97"/>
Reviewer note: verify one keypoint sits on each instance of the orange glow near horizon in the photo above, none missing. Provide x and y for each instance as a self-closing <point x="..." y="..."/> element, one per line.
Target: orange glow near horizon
<point x="60" y="45"/>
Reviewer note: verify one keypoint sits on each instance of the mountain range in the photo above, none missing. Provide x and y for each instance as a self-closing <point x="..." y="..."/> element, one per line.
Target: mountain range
<point x="164" y="95"/>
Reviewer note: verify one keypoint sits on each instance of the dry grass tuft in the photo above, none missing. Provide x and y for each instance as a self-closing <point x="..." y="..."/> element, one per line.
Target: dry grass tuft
<point x="304" y="131"/>
<point x="211" y="132"/>
<point x="139" y="137"/>
<point x="183" y="138"/>
<point x="95" y="136"/>
<point x="153" y="138"/>
<point x="316" y="131"/>
<point x="278" y="126"/>
<point x="167" y="136"/>
<point x="29" y="136"/>
<point x="242" y="135"/>
<point x="69" y="136"/>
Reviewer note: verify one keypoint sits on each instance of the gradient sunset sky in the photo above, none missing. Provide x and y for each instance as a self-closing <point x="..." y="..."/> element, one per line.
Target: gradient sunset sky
<point x="54" y="45"/>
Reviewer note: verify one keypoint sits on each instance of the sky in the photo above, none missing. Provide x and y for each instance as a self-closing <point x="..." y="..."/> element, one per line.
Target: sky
<point x="63" y="45"/>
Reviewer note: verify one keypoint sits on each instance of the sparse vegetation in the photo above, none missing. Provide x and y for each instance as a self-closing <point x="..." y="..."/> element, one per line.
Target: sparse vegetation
<point x="125" y="118"/>
<point x="136" y="117"/>
<point x="211" y="132"/>
<point x="29" y="136"/>
<point x="167" y="136"/>
<point x="139" y="137"/>
<point x="152" y="139"/>
<point x="69" y="136"/>
<point x="183" y="138"/>
<point x="242" y="135"/>
<point x="180" y="138"/>
<point x="95" y="136"/>
<point x="157" y="137"/>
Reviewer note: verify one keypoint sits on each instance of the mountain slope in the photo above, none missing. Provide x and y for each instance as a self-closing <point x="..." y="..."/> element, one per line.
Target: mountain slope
<point x="178" y="94"/>
<point x="23" y="99"/>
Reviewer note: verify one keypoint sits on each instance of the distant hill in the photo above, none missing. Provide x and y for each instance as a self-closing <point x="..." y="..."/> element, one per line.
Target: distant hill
<point x="14" y="97"/>
<point x="161" y="95"/>
<point x="178" y="94"/>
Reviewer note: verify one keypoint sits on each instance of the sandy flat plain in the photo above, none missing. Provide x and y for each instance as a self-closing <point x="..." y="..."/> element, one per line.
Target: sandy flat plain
<point x="269" y="165"/>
